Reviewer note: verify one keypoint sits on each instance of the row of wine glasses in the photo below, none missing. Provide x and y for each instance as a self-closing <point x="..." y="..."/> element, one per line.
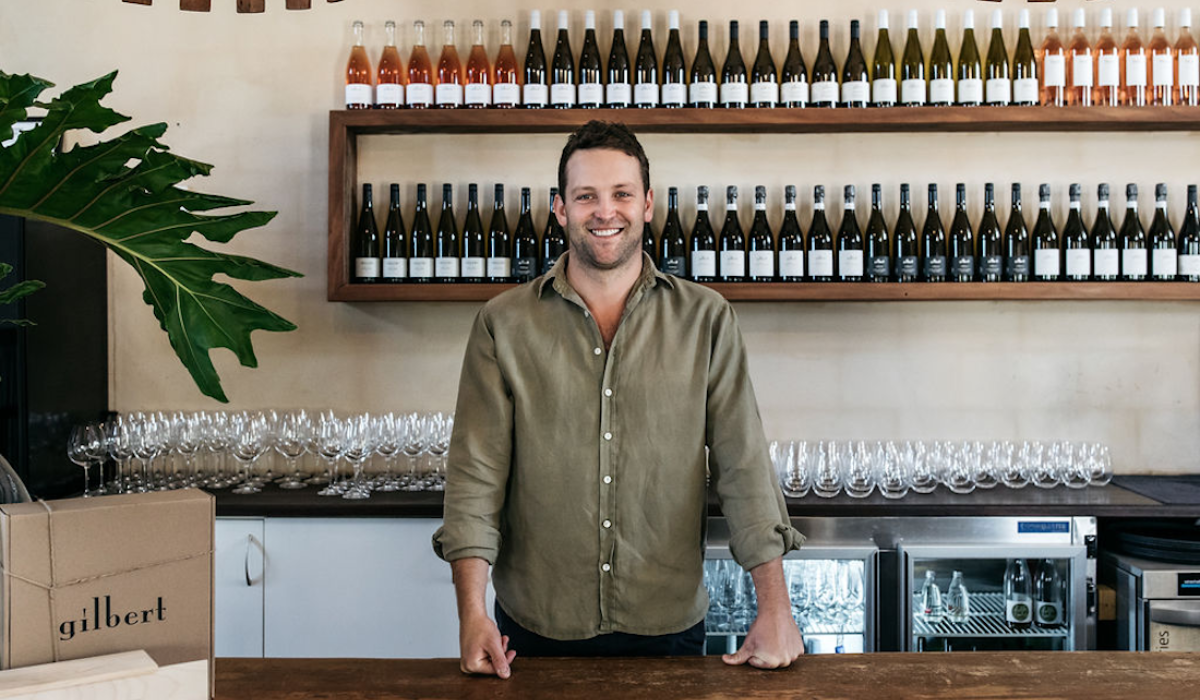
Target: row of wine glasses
<point x="155" y="451"/>
<point x="858" y="468"/>
<point x="827" y="596"/>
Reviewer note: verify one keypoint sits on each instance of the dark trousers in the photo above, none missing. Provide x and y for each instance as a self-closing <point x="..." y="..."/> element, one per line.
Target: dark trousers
<point x="689" y="642"/>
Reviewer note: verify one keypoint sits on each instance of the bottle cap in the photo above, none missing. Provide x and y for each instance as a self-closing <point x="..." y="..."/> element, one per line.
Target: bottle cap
<point x="553" y="192"/>
<point x="1051" y="17"/>
<point x="760" y="191"/>
<point x="876" y="189"/>
<point x="1080" y="19"/>
<point x="535" y="19"/>
<point x="989" y="190"/>
<point x="1160" y="191"/>
<point x="764" y="29"/>
<point x="1106" y="17"/>
<point x="997" y="19"/>
<point x="1102" y="192"/>
<point x="1131" y="18"/>
<point x="819" y="193"/>
<point x="1131" y="191"/>
<point x="824" y="29"/>
<point x="1191" y="192"/>
<point x="673" y="19"/>
<point x="472" y="190"/>
<point x="731" y="192"/>
<point x="563" y="19"/>
<point x="499" y="192"/>
<point x="903" y="189"/>
<point x="524" y="191"/>
<point x="1160" y="17"/>
<point x="1185" y="17"/>
<point x="391" y="24"/>
<point x="589" y="19"/>
<point x="733" y="29"/>
<point x="672" y="191"/>
<point x="853" y="29"/>
<point x="790" y="192"/>
<point x="968" y="19"/>
<point x="447" y="190"/>
<point x="646" y="19"/>
<point x="1075" y="191"/>
<point x="702" y="192"/>
<point x="883" y="19"/>
<point x="848" y="193"/>
<point x="794" y="29"/>
<point x="939" y="19"/>
<point x="1044" y="192"/>
<point x="1016" y="190"/>
<point x="618" y="19"/>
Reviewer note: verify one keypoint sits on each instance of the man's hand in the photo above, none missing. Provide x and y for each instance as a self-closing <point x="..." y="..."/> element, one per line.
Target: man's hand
<point x="482" y="649"/>
<point x="773" y="640"/>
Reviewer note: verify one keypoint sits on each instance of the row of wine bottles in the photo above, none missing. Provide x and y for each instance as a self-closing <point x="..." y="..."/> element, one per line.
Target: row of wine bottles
<point x="1077" y="73"/>
<point x="984" y="253"/>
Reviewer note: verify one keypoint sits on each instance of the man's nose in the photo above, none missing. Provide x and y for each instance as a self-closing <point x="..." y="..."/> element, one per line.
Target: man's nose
<point x="606" y="206"/>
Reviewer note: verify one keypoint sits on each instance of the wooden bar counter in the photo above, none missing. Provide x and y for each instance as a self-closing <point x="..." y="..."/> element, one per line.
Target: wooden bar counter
<point x="933" y="676"/>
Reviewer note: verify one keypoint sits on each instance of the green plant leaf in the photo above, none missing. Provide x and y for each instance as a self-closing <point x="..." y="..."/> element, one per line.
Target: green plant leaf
<point x="123" y="193"/>
<point x="15" y="292"/>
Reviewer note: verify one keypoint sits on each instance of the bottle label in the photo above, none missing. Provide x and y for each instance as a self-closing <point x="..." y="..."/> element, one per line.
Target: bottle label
<point x="1018" y="267"/>
<point x="991" y="266"/>
<point x="820" y="263"/>
<point x="765" y="93"/>
<point x="1165" y="263"/>
<point x="883" y="91"/>
<point x="645" y="94"/>
<point x="850" y="263"/>
<point x="1189" y="265"/>
<point x="358" y="94"/>
<point x="446" y="267"/>
<point x="703" y="93"/>
<point x="366" y="268"/>
<point x="1135" y="69"/>
<point x="791" y="263"/>
<point x="478" y="94"/>
<point x="912" y="91"/>
<point x="499" y="268"/>
<point x="704" y="263"/>
<point x="450" y="94"/>
<point x="419" y="94"/>
<point x="1109" y="69"/>
<point x="1025" y="91"/>
<point x="1107" y="262"/>
<point x="525" y="269"/>
<point x="591" y="94"/>
<point x="908" y="267"/>
<point x="794" y="92"/>
<point x="674" y="94"/>
<point x="1164" y="70"/>
<point x="825" y="91"/>
<point x="762" y="263"/>
<point x="1079" y="262"/>
<point x="506" y="93"/>
<point x="548" y="263"/>
<point x="1189" y="70"/>
<point x="395" y="268"/>
<point x="473" y="267"/>
<point x="999" y="91"/>
<point x="1055" y="69"/>
<point x="420" y="268"/>
<point x="1046" y="263"/>
<point x="941" y="91"/>
<point x="880" y="268"/>
<point x="535" y="94"/>
<point x="1081" y="70"/>
<point x="734" y="93"/>
<point x="733" y="263"/>
<point x="856" y="91"/>
<point x="1049" y="613"/>
<point x="618" y="94"/>
<point x="562" y="94"/>
<point x="970" y="91"/>
<point x="963" y="267"/>
<point x="1133" y="262"/>
<point x="389" y="94"/>
<point x="1018" y="611"/>
<point x="675" y="265"/>
<point x="935" y="267"/>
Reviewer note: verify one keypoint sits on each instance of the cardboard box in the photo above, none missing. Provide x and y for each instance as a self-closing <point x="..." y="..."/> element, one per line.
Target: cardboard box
<point x="91" y="576"/>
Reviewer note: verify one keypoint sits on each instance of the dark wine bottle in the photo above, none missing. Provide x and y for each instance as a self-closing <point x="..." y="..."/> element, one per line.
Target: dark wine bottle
<point x="618" y="90"/>
<point x="674" y="72"/>
<point x="421" y="244"/>
<point x="908" y="243"/>
<point x="591" y="69"/>
<point x="735" y="86"/>
<point x="825" y="90"/>
<point x="649" y="240"/>
<point x="941" y="66"/>
<point x="554" y="239"/>
<point x="849" y="242"/>
<point x="1076" y="243"/>
<point x="732" y="242"/>
<point x="474" y="240"/>
<point x="1046" y="253"/>
<point x="961" y="243"/>
<point x="673" y="246"/>
<point x="1106" y="254"/>
<point x="970" y="69"/>
<point x="500" y="248"/>
<point x="366" y="242"/>
<point x="856" y="81"/>
<point x="764" y="85"/>
<point x="703" y="244"/>
<point x="525" y="243"/>
<point x="878" y="244"/>
<point x="820" y="241"/>
<point x="535" y="93"/>
<point x="933" y="242"/>
<point x="645" y="68"/>
<point x="702" y="93"/>
<point x="989" y="245"/>
<point x="447" y="264"/>
<point x="395" y="241"/>
<point x="1134" y="263"/>
<point x="563" y="78"/>
<point x="998" y="74"/>
<point x="762" y="241"/>
<point x="793" y="78"/>
<point x="913" y="87"/>
<point x="1189" y="240"/>
<point x="791" y="240"/>
<point x="1016" y="242"/>
<point x="1164" y="260"/>
<point x="883" y="69"/>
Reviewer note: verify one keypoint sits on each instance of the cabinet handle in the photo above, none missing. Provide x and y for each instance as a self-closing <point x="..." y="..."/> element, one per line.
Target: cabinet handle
<point x="252" y="542"/>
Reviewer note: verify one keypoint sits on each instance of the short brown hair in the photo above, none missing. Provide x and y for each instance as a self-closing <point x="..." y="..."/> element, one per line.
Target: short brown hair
<point x="598" y="134"/>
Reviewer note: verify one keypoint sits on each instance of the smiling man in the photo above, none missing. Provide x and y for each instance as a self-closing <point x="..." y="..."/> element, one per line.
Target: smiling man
<point x="594" y="403"/>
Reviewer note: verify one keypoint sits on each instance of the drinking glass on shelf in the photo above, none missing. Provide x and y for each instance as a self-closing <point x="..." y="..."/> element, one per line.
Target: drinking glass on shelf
<point x="415" y="442"/>
<point x="1099" y="463"/>
<point x="149" y="438"/>
<point x="360" y="445"/>
<point x="859" y="480"/>
<point x="80" y="449"/>
<point x="924" y="466"/>
<point x="189" y="436"/>
<point x="439" y="427"/>
<point x="827" y="476"/>
<point x="728" y="584"/>
<point x="329" y="441"/>
<point x="1043" y="467"/>
<point x="894" y="477"/>
<point x="389" y="430"/>
<point x="796" y="474"/>
<point x="249" y="442"/>
<point x="1013" y="466"/>
<point x="119" y="438"/>
<point x="217" y="441"/>
<point x="1074" y="471"/>
<point x="985" y="458"/>
<point x="292" y="436"/>
<point x="959" y="475"/>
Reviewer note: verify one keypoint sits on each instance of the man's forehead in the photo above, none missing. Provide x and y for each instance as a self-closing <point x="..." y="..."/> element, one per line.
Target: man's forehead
<point x="619" y="167"/>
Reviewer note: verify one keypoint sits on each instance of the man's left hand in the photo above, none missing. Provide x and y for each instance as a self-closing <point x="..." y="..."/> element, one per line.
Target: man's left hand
<point x="772" y="642"/>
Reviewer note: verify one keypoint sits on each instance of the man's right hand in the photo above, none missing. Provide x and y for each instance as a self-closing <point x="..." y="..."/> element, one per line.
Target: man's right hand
<point x="482" y="650"/>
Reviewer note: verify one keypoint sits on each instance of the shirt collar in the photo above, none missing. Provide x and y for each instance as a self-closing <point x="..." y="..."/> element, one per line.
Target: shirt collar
<point x="556" y="277"/>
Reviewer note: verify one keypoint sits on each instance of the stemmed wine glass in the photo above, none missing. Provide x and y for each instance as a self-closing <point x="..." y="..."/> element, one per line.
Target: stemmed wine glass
<point x="439" y="427"/>
<point x="414" y="445"/>
<point x="389" y="429"/>
<point x="249" y="442"/>
<point x="120" y="439"/>
<point x="149" y="439"/>
<point x="329" y="441"/>
<point x="360" y="445"/>
<point x="188" y="436"/>
<point x="217" y="441"/>
<point x="85" y="443"/>
<point x="291" y="440"/>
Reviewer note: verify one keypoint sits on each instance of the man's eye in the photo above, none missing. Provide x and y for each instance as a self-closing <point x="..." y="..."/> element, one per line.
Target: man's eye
<point x="583" y="197"/>
<point x="624" y="195"/>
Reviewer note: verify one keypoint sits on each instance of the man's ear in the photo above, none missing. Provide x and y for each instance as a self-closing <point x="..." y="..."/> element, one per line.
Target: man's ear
<point x="649" y="214"/>
<point x="559" y="207"/>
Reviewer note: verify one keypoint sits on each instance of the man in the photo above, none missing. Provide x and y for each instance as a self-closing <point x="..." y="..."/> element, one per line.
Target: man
<point x="577" y="467"/>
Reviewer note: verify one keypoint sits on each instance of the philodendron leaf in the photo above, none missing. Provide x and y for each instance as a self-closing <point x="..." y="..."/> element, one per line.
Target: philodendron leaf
<point x="122" y="192"/>
<point x="15" y="292"/>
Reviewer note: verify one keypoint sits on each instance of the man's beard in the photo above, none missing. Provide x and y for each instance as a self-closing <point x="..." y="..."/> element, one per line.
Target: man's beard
<point x="580" y="245"/>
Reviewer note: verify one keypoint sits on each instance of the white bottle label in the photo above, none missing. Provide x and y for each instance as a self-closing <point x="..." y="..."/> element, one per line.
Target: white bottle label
<point x="733" y="263"/>
<point x="645" y="94"/>
<point x="856" y="91"/>
<point x="703" y="93"/>
<point x="1107" y="262"/>
<point x="674" y="94"/>
<point x="820" y="263"/>
<point x="883" y="91"/>
<point x="419" y="94"/>
<point x="825" y="91"/>
<point x="420" y="267"/>
<point x="1133" y="262"/>
<point x="762" y="263"/>
<point x="1189" y="265"/>
<point x="473" y="267"/>
<point x="704" y="263"/>
<point x="499" y="267"/>
<point x="795" y="91"/>
<point x="999" y="91"/>
<point x="446" y="267"/>
<point x="1081" y="71"/>
<point x="618" y="94"/>
<point x="450" y="94"/>
<point x="1025" y="90"/>
<point x="1049" y="613"/>
<point x="478" y="94"/>
<point x="506" y="94"/>
<point x="1189" y="70"/>
<point x="765" y="93"/>
<point x="389" y="94"/>
<point x="1018" y="610"/>
<point x="912" y="91"/>
<point x="1079" y="262"/>
<point x="1166" y="263"/>
<point x="535" y="94"/>
<point x="735" y="93"/>
<point x="970" y="91"/>
<point x="850" y="263"/>
<point x="1164" y="70"/>
<point x="941" y="91"/>
<point x="1055" y="68"/>
<point x="358" y="94"/>
<point x="791" y="263"/>
<point x="1135" y="69"/>
<point x="562" y="94"/>
<point x="591" y="94"/>
<point x="395" y="268"/>
<point x="366" y="267"/>
<point x="1109" y="68"/>
<point x="1046" y="263"/>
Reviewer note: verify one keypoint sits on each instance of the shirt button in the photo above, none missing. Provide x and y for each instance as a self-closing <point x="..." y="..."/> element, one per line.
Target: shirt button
<point x="608" y="392"/>
<point x="605" y="567"/>
<point x="587" y="314"/>
<point x="607" y="523"/>
<point x="608" y="436"/>
<point x="597" y="351"/>
<point x="608" y="479"/>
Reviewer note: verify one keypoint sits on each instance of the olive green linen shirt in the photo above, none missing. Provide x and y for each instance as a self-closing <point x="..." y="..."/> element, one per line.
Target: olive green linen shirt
<point x="580" y="473"/>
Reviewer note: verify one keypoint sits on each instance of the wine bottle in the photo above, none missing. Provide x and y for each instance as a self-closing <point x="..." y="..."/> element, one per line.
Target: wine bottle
<point x="1108" y="63"/>
<point x="474" y="240"/>
<point x="933" y="241"/>
<point x="1018" y="595"/>
<point x="764" y="86"/>
<point x="477" y="93"/>
<point x="1047" y="263"/>
<point x="1187" y="56"/>
<point x="1016" y="242"/>
<point x="883" y="72"/>
<point x="960" y="247"/>
<point x="989" y="244"/>
<point x="1106" y="257"/>
<point x="506" y="90"/>
<point x="735" y="87"/>
<point x="674" y="73"/>
<point x="1132" y="240"/>
<point x="970" y="70"/>
<point x="791" y="240"/>
<point x="732" y="242"/>
<point x="702" y="93"/>
<point x="525" y="243"/>
<point x="649" y="240"/>
<point x="1080" y="65"/>
<point x="645" y="68"/>
<point x="1162" y="63"/>
<point x="1076" y="243"/>
<point x="825" y="90"/>
<point x="703" y="244"/>
<point x="499" y="248"/>
<point x="761" y="243"/>
<point x="449" y="90"/>
<point x="1189" y="240"/>
<point x="419" y="91"/>
<point x="358" y="73"/>
<point x="554" y="239"/>
<point x="913" y="86"/>
<point x="878" y="253"/>
<point x="1133" y="64"/>
<point x="999" y="77"/>
<point x="446" y="263"/>
<point x="908" y="243"/>
<point x="366" y="242"/>
<point x="563" y="78"/>
<point x="1051" y="65"/>
<point x="535" y="92"/>
<point x="389" y="85"/>
<point x="395" y="241"/>
<point x="1048" y="596"/>
<point x="618" y="90"/>
<point x="1164" y="260"/>
<point x="849" y="241"/>
<point x="591" y="69"/>
<point x="856" y="81"/>
<point x="941" y="68"/>
<point x="793" y="78"/>
<point x="820" y="241"/>
<point x="673" y="247"/>
<point x="421" y="244"/>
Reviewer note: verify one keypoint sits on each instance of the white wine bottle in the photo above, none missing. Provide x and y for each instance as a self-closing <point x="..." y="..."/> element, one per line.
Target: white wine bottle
<point x="998" y="74"/>
<point x="913" y="86"/>
<point x="883" y="68"/>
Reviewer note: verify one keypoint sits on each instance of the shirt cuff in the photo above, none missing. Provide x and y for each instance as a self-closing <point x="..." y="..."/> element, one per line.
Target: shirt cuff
<point x="762" y="544"/>
<point x="447" y="549"/>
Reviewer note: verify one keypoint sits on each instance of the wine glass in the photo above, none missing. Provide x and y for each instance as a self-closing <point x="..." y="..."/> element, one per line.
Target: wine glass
<point x="1099" y="463"/>
<point x="360" y="444"/>
<point x="291" y="441"/>
<point x="894" y="477"/>
<point x="389" y="430"/>
<point x="217" y="441"/>
<point x="924" y="464"/>
<point x="149" y="438"/>
<point x="860" y="473"/>
<point x="80" y="450"/>
<point x="1013" y="466"/>
<point x="249" y="441"/>
<point x="120" y="447"/>
<point x="1074" y="470"/>
<point x="439" y="426"/>
<point x="1043" y="467"/>
<point x="827" y="475"/>
<point x="188" y="438"/>
<point x="329" y="441"/>
<point x="959" y="475"/>
<point x="795" y="472"/>
<point x="985" y="458"/>
<point x="415" y="443"/>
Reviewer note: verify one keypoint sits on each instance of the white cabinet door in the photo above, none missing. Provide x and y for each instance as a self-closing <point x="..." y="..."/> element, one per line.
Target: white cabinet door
<point x="238" y="589"/>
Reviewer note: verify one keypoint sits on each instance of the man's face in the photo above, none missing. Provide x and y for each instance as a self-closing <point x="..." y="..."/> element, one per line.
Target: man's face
<point x="604" y="208"/>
